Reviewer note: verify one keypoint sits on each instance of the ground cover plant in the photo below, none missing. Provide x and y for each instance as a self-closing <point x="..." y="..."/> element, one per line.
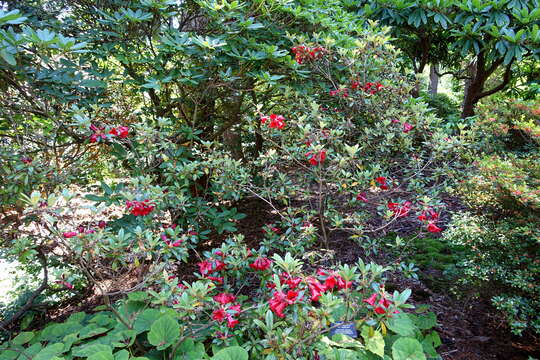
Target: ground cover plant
<point x="262" y="180"/>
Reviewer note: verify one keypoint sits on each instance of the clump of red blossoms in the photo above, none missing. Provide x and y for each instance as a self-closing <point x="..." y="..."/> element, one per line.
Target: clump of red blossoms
<point x="382" y="305"/>
<point x="280" y="301"/>
<point x="430" y="216"/>
<point x="209" y="266"/>
<point x="407" y="127"/>
<point x="261" y="264"/>
<point x="333" y="279"/>
<point x="70" y="234"/>
<point x="227" y="313"/>
<point x="140" y="208"/>
<point x="120" y="131"/>
<point x="372" y="88"/>
<point x="362" y="197"/>
<point x="400" y="210"/>
<point x="225" y="298"/>
<point x="274" y="121"/>
<point x="316" y="158"/>
<point x="98" y="133"/>
<point x="303" y="53"/>
<point x="381" y="180"/>
<point x="340" y="92"/>
<point x="315" y="287"/>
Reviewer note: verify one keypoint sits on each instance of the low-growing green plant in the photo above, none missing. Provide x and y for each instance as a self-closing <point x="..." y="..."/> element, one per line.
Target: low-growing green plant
<point x="245" y="305"/>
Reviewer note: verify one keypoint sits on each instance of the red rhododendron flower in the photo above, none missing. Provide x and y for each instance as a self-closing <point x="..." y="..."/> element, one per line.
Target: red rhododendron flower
<point x="102" y="224"/>
<point x="422" y="216"/>
<point x="400" y="210"/>
<point x="292" y="282"/>
<point x="316" y="159"/>
<point x="316" y="288"/>
<point x="372" y="88"/>
<point x="121" y="131"/>
<point x="407" y="127"/>
<point x="98" y="133"/>
<point x="218" y="279"/>
<point x="224" y="298"/>
<point x="70" y="234"/>
<point x="231" y="322"/>
<point x="362" y="197"/>
<point x="303" y="53"/>
<point x="280" y="301"/>
<point x="276" y="122"/>
<point x="210" y="266"/>
<point x="432" y="228"/>
<point x="140" y="208"/>
<point x="381" y="180"/>
<point x="219" y="315"/>
<point x="371" y="300"/>
<point x="261" y="264"/>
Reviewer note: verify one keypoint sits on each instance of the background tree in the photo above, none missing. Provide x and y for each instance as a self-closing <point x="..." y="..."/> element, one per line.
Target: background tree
<point x="490" y="35"/>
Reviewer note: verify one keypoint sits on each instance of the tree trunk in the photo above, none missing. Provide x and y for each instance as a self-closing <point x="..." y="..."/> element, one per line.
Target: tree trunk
<point x="233" y="142"/>
<point x="433" y="79"/>
<point x="471" y="89"/>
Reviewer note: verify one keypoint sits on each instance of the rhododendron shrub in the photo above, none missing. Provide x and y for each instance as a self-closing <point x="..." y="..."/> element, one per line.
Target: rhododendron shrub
<point x="498" y="235"/>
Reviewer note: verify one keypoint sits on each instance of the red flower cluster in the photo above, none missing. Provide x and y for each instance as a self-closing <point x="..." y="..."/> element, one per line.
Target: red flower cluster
<point x="261" y="264"/>
<point x="333" y="279"/>
<point x="207" y="267"/>
<point x="316" y="158"/>
<point x="120" y="131"/>
<point x="225" y="298"/>
<point x="407" y="127"/>
<point x="303" y="53"/>
<point x="280" y="301"/>
<point x="381" y="180"/>
<point x="140" y="208"/>
<point x="99" y="133"/>
<point x="274" y="121"/>
<point x="70" y="234"/>
<point x="362" y="197"/>
<point x="226" y="312"/>
<point x="431" y="217"/>
<point x="340" y="92"/>
<point x="382" y="306"/>
<point x="169" y="243"/>
<point x="371" y="88"/>
<point x="400" y="210"/>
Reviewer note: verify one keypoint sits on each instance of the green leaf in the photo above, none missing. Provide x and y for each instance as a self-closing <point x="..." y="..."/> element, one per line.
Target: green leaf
<point x="164" y="332"/>
<point x="87" y="350"/>
<point x="145" y="320"/>
<point x="231" y="353"/>
<point x="102" y="355"/>
<point x="23" y="338"/>
<point x="408" y="349"/>
<point x="49" y="352"/>
<point x="375" y="342"/>
<point x="401" y="324"/>
<point x="121" y="355"/>
<point x="426" y="321"/>
<point x="8" y="57"/>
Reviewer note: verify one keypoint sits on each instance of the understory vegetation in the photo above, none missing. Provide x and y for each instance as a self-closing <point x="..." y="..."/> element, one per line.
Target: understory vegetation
<point x="266" y="179"/>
